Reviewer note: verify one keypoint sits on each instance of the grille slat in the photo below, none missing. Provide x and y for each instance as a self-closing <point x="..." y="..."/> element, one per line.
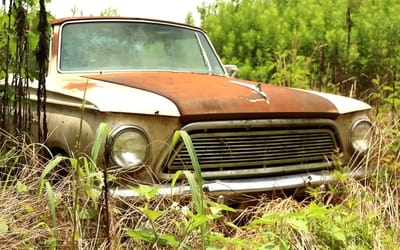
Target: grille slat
<point x="246" y="149"/>
<point x="210" y="157"/>
<point x="250" y="147"/>
<point x="249" y="158"/>
<point x="259" y="150"/>
<point x="210" y="145"/>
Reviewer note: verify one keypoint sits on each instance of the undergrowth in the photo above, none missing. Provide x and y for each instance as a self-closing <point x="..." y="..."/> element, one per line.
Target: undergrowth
<point x="37" y="213"/>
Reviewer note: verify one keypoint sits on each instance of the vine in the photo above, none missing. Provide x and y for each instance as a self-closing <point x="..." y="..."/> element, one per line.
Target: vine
<point x="19" y="40"/>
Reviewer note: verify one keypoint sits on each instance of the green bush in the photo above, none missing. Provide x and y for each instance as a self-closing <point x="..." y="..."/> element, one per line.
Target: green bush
<point x="335" y="45"/>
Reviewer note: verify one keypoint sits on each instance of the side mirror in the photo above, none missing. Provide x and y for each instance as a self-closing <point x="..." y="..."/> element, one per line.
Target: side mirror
<point x="231" y="69"/>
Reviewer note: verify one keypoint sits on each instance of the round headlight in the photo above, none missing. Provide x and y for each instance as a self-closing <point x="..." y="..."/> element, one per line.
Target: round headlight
<point x="361" y="133"/>
<point x="129" y="146"/>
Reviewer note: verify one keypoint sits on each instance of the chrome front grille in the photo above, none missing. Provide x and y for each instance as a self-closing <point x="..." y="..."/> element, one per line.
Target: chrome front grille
<point x="242" y="149"/>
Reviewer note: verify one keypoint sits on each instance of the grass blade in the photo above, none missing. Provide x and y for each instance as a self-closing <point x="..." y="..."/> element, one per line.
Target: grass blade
<point x="100" y="136"/>
<point x="51" y="199"/>
<point x="52" y="164"/>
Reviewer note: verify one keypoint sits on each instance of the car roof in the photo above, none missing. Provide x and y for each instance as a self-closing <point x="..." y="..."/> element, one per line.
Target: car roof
<point x="60" y="21"/>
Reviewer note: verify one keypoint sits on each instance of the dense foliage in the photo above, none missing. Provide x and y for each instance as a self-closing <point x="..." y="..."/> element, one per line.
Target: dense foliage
<point x="24" y="32"/>
<point x="334" y="45"/>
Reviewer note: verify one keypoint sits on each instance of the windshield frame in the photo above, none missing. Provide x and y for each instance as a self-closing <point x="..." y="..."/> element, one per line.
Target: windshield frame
<point x="216" y="61"/>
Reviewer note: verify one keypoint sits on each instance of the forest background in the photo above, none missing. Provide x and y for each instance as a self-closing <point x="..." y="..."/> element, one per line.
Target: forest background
<point x="341" y="46"/>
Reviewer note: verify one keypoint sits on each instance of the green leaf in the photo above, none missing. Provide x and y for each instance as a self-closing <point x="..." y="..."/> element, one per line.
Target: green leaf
<point x="196" y="192"/>
<point x="76" y="235"/>
<point x="226" y="241"/>
<point x="21" y="187"/>
<point x="51" y="243"/>
<point x="102" y="132"/>
<point x="217" y="207"/>
<point x="169" y="239"/>
<point x="338" y="233"/>
<point x="269" y="246"/>
<point x="49" y="167"/>
<point x="267" y="219"/>
<point x="93" y="193"/>
<point x="28" y="208"/>
<point x="151" y="214"/>
<point x="51" y="200"/>
<point x="88" y="213"/>
<point x="316" y="211"/>
<point x="175" y="178"/>
<point x="387" y="88"/>
<point x="233" y="225"/>
<point x="84" y="168"/>
<point x="150" y="236"/>
<point x="197" y="221"/>
<point x="196" y="187"/>
<point x="149" y="192"/>
<point x="3" y="227"/>
<point x="142" y="234"/>
<point x="297" y="224"/>
<point x="193" y="156"/>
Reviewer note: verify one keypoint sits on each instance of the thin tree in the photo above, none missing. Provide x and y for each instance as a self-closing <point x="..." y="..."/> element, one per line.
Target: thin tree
<point x="42" y="61"/>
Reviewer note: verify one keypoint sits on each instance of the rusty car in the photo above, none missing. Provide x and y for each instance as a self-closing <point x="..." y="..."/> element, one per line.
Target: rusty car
<point x="148" y="78"/>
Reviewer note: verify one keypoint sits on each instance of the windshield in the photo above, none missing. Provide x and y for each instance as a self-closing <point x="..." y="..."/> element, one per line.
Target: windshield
<point x="123" y="45"/>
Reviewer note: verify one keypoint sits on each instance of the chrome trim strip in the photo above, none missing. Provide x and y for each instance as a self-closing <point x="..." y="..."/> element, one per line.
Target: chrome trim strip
<point x="259" y="123"/>
<point x="248" y="185"/>
<point x="358" y="122"/>
<point x="203" y="52"/>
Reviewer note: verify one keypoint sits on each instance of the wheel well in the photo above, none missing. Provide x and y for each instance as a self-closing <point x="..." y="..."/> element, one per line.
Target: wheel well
<point x="63" y="168"/>
<point x="54" y="151"/>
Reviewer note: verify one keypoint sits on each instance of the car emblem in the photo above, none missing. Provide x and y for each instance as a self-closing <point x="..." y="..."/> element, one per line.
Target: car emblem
<point x="256" y="88"/>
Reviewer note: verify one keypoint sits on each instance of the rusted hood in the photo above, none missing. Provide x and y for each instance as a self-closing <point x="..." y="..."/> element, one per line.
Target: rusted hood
<point x="200" y="97"/>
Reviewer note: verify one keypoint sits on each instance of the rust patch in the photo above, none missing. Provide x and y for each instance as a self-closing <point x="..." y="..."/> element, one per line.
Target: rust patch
<point x="54" y="48"/>
<point x="80" y="86"/>
<point x="209" y="97"/>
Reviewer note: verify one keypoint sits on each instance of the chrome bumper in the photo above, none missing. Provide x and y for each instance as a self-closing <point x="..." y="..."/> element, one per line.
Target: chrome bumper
<point x="247" y="185"/>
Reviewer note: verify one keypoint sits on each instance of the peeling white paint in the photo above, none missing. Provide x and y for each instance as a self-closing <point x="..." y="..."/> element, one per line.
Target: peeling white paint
<point x="343" y="104"/>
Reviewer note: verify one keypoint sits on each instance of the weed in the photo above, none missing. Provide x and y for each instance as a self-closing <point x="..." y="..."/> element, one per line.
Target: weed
<point x="39" y="214"/>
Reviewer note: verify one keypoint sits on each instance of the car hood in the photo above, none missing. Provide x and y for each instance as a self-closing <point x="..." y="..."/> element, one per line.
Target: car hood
<point x="204" y="97"/>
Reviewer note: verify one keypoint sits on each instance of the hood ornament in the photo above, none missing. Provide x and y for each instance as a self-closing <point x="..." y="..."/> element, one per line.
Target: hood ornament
<point x="256" y="88"/>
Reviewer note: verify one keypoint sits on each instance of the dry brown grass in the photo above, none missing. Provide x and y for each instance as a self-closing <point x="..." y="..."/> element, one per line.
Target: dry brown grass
<point x="368" y="208"/>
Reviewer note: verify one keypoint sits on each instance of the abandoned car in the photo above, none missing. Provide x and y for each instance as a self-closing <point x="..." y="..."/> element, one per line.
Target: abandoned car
<point x="148" y="78"/>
